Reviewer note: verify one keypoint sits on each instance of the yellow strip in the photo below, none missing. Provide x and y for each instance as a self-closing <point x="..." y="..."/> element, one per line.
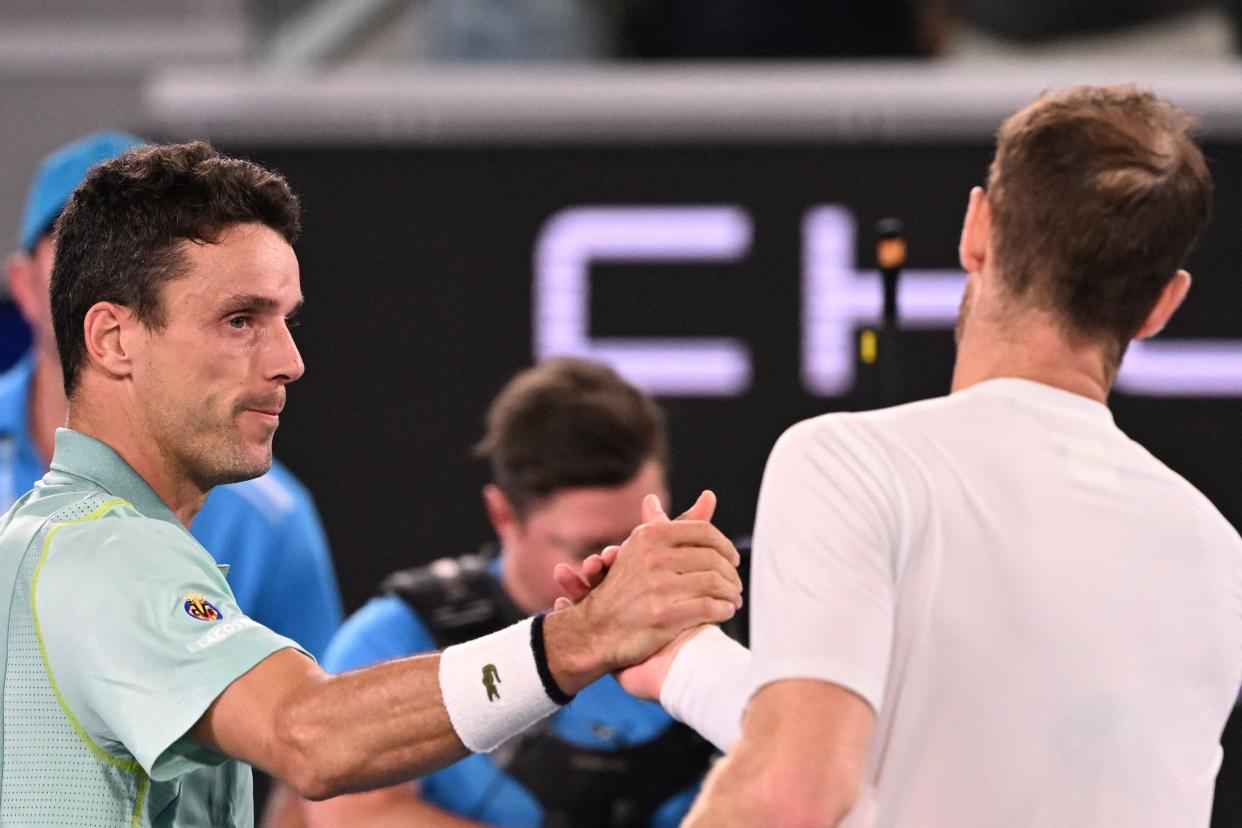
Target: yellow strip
<point x="144" y="784"/>
<point x="100" y="754"/>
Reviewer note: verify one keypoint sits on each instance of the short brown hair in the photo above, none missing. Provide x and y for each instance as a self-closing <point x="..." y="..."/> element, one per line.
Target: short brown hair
<point x="569" y="422"/>
<point x="1098" y="195"/>
<point x="117" y="239"/>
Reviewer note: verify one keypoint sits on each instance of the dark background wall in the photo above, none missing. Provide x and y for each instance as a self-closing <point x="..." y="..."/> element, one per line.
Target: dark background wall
<point x="417" y="268"/>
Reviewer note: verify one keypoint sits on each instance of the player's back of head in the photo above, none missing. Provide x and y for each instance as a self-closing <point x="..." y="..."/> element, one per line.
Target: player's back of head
<point x="1098" y="195"/>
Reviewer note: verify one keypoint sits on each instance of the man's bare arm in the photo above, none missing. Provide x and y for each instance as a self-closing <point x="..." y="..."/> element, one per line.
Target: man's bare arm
<point x="797" y="764"/>
<point x="328" y="735"/>
<point x="395" y="807"/>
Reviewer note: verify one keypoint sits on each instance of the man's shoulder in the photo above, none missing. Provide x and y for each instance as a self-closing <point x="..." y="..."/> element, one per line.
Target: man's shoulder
<point x="1181" y="500"/>
<point x="99" y="553"/>
<point x="859" y="433"/>
<point x="873" y="462"/>
<point x="970" y="417"/>
<point x="113" y="531"/>
<point x="276" y="498"/>
<point x="889" y="423"/>
<point x="89" y="510"/>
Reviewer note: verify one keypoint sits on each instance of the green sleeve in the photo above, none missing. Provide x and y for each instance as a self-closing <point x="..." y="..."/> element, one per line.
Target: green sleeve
<point x="142" y="633"/>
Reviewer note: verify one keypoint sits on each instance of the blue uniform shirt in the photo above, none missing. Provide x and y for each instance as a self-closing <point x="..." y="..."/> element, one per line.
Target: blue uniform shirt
<point x="267" y="530"/>
<point x="602" y="716"/>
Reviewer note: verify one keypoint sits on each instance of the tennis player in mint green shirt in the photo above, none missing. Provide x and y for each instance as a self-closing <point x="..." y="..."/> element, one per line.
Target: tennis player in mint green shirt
<point x="125" y="632"/>
<point x="133" y="686"/>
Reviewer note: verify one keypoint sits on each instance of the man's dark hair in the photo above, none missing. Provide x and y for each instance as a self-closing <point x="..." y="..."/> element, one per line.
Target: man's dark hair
<point x="565" y="423"/>
<point x="1098" y="195"/>
<point x="119" y="237"/>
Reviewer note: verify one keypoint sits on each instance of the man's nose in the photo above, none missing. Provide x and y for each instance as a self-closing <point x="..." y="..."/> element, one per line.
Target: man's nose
<point x="285" y="361"/>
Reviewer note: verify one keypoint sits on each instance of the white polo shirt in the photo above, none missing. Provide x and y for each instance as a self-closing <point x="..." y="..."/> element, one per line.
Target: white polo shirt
<point x="1047" y="620"/>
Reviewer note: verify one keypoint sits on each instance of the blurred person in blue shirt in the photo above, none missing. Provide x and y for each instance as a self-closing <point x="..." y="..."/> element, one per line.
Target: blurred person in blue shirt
<point x="573" y="450"/>
<point x="266" y="530"/>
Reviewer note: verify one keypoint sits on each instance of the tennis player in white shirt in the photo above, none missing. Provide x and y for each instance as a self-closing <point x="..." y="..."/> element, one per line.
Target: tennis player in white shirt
<point x="993" y="609"/>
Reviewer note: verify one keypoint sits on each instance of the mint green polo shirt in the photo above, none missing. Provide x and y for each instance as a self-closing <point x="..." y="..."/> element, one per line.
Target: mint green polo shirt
<point x="121" y="631"/>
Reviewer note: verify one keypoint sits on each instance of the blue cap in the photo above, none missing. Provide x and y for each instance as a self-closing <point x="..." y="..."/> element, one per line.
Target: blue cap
<point x="61" y="173"/>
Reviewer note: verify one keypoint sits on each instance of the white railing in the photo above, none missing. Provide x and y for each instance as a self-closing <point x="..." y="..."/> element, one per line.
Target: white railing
<point x="646" y="102"/>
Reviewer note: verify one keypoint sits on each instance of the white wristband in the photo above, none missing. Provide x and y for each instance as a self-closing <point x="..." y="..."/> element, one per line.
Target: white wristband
<point x="492" y="689"/>
<point x="708" y="685"/>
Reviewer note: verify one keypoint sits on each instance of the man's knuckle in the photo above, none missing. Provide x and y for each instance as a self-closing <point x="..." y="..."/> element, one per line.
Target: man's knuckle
<point x="661" y="613"/>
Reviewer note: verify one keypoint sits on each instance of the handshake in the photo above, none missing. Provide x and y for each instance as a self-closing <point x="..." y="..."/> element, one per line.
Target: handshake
<point x="667" y="580"/>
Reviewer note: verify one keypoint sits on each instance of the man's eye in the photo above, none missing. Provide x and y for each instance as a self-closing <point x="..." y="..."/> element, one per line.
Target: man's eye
<point x="238" y="322"/>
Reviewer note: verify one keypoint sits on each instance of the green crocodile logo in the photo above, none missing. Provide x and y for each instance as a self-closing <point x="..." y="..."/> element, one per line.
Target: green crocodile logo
<point x="491" y="677"/>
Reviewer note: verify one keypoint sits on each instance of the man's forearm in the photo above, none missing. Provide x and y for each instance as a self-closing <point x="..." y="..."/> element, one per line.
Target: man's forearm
<point x="396" y="807"/>
<point x="708" y="685"/>
<point x="403" y="718"/>
<point x="798" y="762"/>
<point x="366" y="729"/>
<point x="391" y="722"/>
<point x="739" y="794"/>
<point x="330" y="735"/>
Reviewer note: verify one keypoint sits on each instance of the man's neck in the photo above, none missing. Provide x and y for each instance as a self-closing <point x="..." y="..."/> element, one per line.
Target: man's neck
<point x="125" y="436"/>
<point x="1035" y="351"/>
<point x="45" y="407"/>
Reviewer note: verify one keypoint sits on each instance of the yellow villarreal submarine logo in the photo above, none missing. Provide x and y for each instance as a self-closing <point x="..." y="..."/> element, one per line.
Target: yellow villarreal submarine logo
<point x="199" y="608"/>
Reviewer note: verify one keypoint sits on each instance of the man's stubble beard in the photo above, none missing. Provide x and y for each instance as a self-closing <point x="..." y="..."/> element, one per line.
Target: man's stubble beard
<point x="963" y="311"/>
<point x="212" y="452"/>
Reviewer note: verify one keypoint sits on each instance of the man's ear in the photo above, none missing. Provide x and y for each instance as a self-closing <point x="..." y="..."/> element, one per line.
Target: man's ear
<point x="506" y="522"/>
<point x="976" y="232"/>
<point x="106" y="329"/>
<point x="19" y="270"/>
<point x="1170" y="300"/>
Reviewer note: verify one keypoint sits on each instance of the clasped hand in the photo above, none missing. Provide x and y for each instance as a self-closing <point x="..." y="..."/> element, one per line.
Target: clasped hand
<point x="666" y="581"/>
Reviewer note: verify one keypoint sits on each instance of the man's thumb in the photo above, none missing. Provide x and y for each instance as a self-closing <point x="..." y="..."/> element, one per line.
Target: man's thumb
<point x="703" y="508"/>
<point x="653" y="512"/>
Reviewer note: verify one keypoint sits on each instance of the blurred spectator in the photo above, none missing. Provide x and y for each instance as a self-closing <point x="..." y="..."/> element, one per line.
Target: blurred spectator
<point x="511" y="30"/>
<point x="573" y="449"/>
